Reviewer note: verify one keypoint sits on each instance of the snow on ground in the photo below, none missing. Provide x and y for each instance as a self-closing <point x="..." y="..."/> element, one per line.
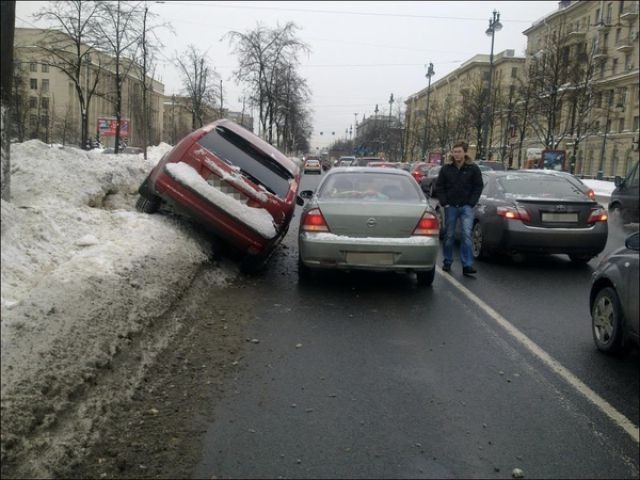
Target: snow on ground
<point x="601" y="188"/>
<point x="81" y="271"/>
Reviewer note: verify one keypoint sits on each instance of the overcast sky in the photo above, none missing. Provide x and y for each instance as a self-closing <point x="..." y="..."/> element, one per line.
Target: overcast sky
<point x="361" y="52"/>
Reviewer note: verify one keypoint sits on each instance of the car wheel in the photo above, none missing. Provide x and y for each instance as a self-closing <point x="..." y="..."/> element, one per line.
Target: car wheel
<point x="426" y="278"/>
<point x="581" y="259"/>
<point x="477" y="242"/>
<point x="607" y="321"/>
<point x="148" y="205"/>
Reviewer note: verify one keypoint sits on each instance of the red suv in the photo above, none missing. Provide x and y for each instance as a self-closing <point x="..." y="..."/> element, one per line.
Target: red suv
<point x="240" y="188"/>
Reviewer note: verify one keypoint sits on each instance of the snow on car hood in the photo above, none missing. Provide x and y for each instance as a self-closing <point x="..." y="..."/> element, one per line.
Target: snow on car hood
<point x="257" y="218"/>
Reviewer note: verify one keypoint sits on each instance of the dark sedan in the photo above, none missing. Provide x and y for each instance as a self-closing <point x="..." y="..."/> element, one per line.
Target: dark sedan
<point x="428" y="182"/>
<point x="532" y="212"/>
<point x="614" y="299"/>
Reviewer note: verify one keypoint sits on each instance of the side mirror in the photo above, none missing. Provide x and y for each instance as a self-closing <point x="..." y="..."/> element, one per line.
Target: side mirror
<point x="306" y="194"/>
<point x="618" y="181"/>
<point x="299" y="201"/>
<point x="633" y="242"/>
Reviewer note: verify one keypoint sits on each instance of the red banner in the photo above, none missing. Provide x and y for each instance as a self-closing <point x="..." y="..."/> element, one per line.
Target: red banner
<point x="107" y="127"/>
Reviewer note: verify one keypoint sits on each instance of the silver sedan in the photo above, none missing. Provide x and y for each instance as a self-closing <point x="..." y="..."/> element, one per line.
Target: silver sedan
<point x="364" y="218"/>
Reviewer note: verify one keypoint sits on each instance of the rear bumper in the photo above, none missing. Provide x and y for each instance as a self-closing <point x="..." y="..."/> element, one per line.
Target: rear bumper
<point x="519" y="237"/>
<point x="322" y="250"/>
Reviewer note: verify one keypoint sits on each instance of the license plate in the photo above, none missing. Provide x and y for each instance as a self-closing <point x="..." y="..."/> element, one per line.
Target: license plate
<point x="560" y="217"/>
<point x="374" y="258"/>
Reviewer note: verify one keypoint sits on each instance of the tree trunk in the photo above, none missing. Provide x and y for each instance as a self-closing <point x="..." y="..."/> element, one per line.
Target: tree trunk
<point x="7" y="24"/>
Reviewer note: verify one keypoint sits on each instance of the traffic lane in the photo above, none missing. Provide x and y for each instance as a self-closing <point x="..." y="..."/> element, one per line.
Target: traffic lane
<point x="547" y="298"/>
<point x="362" y="375"/>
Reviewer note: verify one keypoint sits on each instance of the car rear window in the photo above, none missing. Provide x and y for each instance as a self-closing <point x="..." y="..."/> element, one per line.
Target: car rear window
<point x="369" y="186"/>
<point x="540" y="185"/>
<point x="253" y="163"/>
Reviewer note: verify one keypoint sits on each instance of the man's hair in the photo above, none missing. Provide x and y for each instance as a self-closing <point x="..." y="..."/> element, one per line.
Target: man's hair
<point x="463" y="145"/>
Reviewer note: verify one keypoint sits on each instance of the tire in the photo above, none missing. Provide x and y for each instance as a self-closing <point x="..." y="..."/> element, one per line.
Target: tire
<point x="477" y="242"/>
<point x="607" y="324"/>
<point x="148" y="205"/>
<point x="425" y="279"/>
<point x="581" y="259"/>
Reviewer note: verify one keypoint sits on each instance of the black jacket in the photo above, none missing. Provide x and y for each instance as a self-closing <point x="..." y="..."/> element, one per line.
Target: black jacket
<point x="458" y="187"/>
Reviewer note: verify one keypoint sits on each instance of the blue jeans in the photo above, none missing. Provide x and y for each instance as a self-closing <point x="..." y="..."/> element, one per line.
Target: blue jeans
<point x="465" y="215"/>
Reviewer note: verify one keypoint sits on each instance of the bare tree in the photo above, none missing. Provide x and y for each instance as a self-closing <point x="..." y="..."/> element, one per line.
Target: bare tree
<point x="263" y="55"/>
<point x="69" y="46"/>
<point x="119" y="28"/>
<point x="199" y="83"/>
<point x="19" y="103"/>
<point x="470" y="116"/>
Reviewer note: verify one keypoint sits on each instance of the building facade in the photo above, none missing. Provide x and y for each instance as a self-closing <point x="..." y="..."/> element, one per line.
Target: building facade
<point x="47" y="104"/>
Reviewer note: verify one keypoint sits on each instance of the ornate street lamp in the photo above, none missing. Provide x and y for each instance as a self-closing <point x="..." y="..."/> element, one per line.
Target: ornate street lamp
<point x="430" y="73"/>
<point x="494" y="26"/>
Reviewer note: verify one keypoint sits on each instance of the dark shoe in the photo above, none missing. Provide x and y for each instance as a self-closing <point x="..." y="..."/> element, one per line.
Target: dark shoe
<point x="468" y="270"/>
<point x="446" y="267"/>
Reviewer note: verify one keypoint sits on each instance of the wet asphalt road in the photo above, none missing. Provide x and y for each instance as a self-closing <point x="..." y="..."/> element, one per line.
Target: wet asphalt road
<point x="363" y="375"/>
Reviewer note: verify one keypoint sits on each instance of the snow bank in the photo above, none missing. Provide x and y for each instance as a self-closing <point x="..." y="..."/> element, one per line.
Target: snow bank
<point x="82" y="273"/>
<point x="601" y="188"/>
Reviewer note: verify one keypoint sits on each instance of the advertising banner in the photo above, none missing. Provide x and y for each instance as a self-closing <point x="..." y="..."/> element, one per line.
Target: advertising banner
<point x="107" y="127"/>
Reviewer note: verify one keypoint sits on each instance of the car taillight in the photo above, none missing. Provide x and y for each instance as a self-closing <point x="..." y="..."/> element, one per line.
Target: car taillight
<point x="514" y="213"/>
<point x="428" y="225"/>
<point x="591" y="194"/>
<point x="598" y="215"/>
<point x="314" y="221"/>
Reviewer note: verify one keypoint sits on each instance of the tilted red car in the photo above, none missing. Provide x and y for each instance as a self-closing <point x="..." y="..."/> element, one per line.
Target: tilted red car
<point x="239" y="187"/>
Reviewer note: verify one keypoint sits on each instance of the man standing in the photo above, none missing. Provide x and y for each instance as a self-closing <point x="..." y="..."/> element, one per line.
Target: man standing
<point x="459" y="187"/>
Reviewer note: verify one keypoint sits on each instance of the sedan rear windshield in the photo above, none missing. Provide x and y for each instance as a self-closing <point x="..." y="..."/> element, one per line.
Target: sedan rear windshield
<point x="253" y="163"/>
<point x="369" y="186"/>
<point x="540" y="186"/>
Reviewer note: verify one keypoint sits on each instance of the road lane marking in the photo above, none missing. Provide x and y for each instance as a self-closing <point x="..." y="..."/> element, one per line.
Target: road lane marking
<point x="608" y="409"/>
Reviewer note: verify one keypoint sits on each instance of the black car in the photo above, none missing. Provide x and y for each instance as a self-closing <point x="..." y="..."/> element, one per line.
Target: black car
<point x="531" y="212"/>
<point x="626" y="197"/>
<point x="428" y="182"/>
<point x="613" y="299"/>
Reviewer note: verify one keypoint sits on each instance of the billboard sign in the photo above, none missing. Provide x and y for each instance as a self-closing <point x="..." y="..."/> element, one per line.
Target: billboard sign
<point x="554" y="159"/>
<point x="107" y="127"/>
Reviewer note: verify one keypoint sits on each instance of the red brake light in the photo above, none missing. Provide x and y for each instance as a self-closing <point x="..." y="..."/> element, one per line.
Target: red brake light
<point x="598" y="215"/>
<point x="591" y="194"/>
<point x="514" y="213"/>
<point x="428" y="225"/>
<point x="314" y="221"/>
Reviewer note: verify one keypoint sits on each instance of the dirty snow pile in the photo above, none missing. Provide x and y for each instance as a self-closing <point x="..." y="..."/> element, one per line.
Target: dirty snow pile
<point x="82" y="274"/>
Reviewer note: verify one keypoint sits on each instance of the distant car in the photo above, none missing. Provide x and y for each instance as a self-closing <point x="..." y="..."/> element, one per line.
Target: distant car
<point x="236" y="185"/>
<point x="625" y="199"/>
<point x="345" y="161"/>
<point x="613" y="299"/>
<point x="312" y="166"/>
<point x="404" y="166"/>
<point x="419" y="170"/>
<point x="428" y="182"/>
<point x="534" y="212"/>
<point x="368" y="219"/>
<point x="383" y="164"/>
<point x="492" y="165"/>
<point x="364" y="161"/>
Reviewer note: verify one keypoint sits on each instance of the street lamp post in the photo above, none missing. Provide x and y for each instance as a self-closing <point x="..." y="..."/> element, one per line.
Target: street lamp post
<point x="430" y="73"/>
<point x="494" y="26"/>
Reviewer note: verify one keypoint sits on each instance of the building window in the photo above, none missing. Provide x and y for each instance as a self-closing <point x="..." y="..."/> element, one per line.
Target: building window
<point x="33" y="102"/>
<point x="623" y="96"/>
<point x="614" y="66"/>
<point x="45" y="69"/>
<point x="620" y="124"/>
<point x="514" y="72"/>
<point x="44" y="103"/>
<point x="33" y="120"/>
<point x="44" y="120"/>
<point x="33" y="83"/>
<point x="33" y="67"/>
<point x="603" y="65"/>
<point x="618" y="33"/>
<point x="627" y="63"/>
<point x="608" y="128"/>
<point x="598" y="19"/>
<point x="636" y="124"/>
<point x="45" y="85"/>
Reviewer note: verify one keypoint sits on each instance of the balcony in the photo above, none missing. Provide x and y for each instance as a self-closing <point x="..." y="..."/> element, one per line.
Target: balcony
<point x="600" y="53"/>
<point x="630" y="12"/>
<point x="604" y="24"/>
<point x="575" y="36"/>
<point x="624" y="44"/>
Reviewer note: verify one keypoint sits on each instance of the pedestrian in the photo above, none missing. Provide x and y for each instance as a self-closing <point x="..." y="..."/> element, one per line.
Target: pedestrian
<point x="459" y="187"/>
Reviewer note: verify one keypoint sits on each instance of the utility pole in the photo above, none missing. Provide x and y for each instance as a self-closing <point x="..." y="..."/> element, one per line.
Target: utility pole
<point x="7" y="24"/>
<point x="221" y="101"/>
<point x="430" y="73"/>
<point x="494" y="26"/>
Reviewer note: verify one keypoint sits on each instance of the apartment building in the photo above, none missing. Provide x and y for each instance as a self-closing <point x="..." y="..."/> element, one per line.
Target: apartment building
<point x="47" y="103"/>
<point x="468" y="83"/>
<point x="606" y="34"/>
